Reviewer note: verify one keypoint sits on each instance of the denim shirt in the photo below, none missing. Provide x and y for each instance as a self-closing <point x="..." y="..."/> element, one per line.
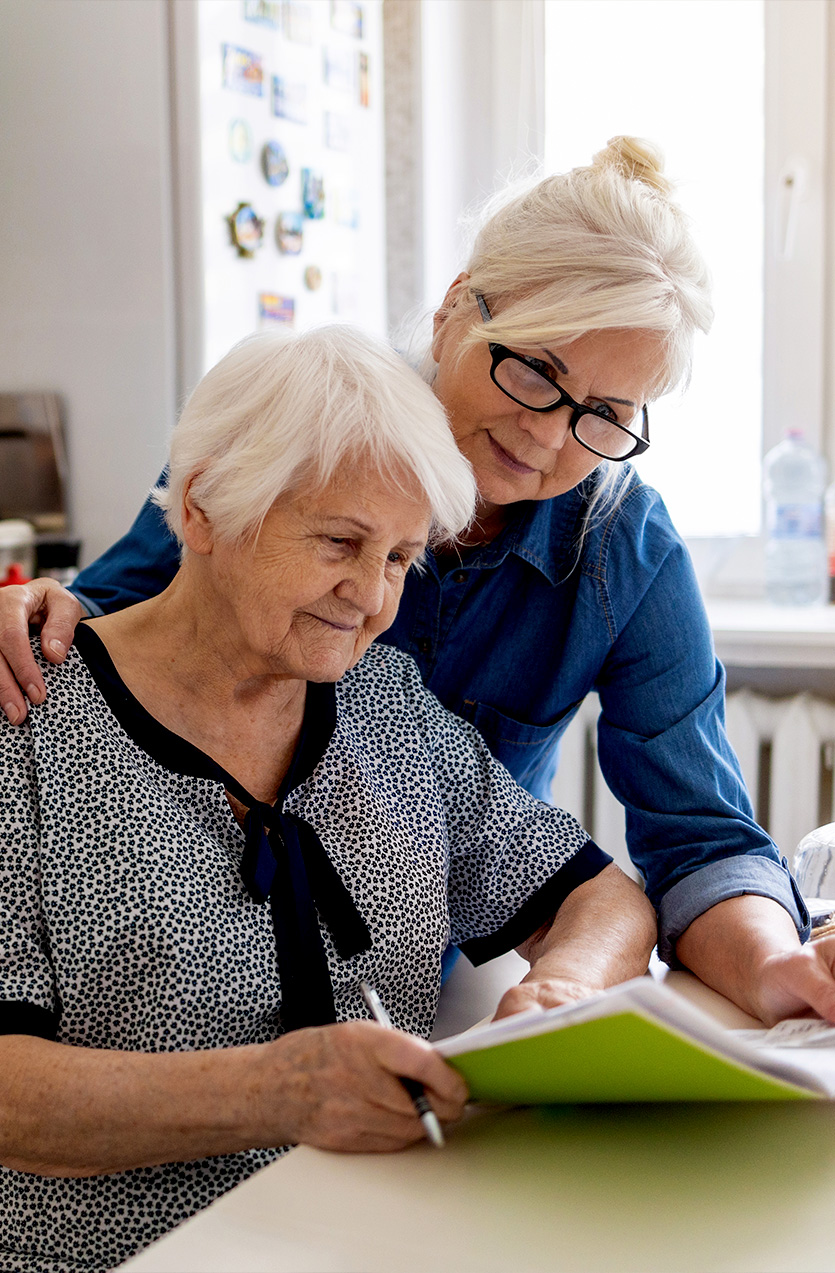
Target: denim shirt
<point x="514" y="635"/>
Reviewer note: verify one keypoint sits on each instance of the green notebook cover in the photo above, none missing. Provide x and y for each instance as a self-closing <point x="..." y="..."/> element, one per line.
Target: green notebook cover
<point x="620" y="1050"/>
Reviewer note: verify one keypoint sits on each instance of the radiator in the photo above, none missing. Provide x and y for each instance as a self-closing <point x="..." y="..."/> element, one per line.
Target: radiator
<point x="786" y="747"/>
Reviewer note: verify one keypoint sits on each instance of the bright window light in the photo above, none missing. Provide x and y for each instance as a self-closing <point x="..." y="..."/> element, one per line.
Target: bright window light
<point x="689" y="76"/>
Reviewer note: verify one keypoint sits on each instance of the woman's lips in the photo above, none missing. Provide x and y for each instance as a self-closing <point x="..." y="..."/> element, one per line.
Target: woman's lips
<point x="509" y="461"/>
<point x="340" y="627"/>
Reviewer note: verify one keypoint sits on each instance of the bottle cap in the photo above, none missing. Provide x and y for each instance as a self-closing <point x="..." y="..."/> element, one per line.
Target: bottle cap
<point x="14" y="574"/>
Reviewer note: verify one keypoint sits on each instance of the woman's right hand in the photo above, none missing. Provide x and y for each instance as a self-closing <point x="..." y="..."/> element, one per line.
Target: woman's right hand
<point x="340" y="1087"/>
<point x="42" y="604"/>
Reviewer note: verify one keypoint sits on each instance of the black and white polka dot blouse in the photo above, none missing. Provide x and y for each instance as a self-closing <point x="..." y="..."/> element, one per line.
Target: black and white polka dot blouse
<point x="125" y="921"/>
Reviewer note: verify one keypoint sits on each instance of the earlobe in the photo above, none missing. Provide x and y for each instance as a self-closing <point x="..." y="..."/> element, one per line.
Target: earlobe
<point x="197" y="529"/>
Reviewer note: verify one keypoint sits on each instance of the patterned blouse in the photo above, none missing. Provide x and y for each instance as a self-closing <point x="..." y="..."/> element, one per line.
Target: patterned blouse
<point x="129" y="918"/>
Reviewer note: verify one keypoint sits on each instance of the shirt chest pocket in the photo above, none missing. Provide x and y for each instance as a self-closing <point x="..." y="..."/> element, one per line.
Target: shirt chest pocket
<point x="530" y="752"/>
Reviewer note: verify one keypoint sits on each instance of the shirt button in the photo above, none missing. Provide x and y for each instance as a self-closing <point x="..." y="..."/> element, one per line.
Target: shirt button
<point x="460" y="576"/>
<point x="424" y="645"/>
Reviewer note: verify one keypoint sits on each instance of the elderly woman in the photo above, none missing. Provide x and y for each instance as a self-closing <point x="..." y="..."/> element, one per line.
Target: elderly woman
<point x="207" y="844"/>
<point x="577" y="307"/>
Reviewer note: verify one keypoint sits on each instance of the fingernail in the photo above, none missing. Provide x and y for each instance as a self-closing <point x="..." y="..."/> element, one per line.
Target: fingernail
<point x="58" y="647"/>
<point x="12" y="711"/>
<point x="34" y="694"/>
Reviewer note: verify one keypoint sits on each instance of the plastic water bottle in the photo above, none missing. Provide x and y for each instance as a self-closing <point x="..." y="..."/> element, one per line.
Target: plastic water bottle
<point x="794" y="476"/>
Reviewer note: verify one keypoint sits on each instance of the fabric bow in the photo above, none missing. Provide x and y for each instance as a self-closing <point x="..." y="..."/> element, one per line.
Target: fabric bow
<point x="284" y="860"/>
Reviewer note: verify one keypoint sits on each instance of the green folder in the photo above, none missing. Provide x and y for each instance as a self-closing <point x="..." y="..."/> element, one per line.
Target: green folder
<point x="636" y="1042"/>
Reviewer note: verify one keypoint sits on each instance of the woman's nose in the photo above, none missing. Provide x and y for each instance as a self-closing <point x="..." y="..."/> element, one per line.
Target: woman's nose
<point x="550" y="430"/>
<point x="365" y="587"/>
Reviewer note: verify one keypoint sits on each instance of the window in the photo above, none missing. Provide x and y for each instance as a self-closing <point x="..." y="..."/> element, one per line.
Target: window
<point x="734" y="93"/>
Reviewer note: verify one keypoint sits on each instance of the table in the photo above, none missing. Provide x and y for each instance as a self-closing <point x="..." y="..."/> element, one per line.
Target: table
<point x="637" y="1189"/>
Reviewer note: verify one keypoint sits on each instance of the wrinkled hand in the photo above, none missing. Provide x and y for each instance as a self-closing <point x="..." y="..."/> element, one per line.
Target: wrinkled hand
<point x="795" y="981"/>
<point x="42" y="604"/>
<point x="339" y="1087"/>
<point x="541" y="993"/>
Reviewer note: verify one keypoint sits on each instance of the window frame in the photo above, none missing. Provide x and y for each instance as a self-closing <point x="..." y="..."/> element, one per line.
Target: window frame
<point x="485" y="114"/>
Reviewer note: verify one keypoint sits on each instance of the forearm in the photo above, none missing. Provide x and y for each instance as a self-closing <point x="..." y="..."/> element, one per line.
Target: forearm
<point x="602" y="934"/>
<point x="68" y="1111"/>
<point x="748" y="949"/>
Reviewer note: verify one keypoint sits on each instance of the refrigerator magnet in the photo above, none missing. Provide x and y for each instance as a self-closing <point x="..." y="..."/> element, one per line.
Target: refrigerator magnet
<point x="273" y="308"/>
<point x="242" y="71"/>
<point x="240" y="141"/>
<point x="313" y="278"/>
<point x="246" y="229"/>
<point x="362" y="79"/>
<point x="346" y="17"/>
<point x="265" y="12"/>
<point x="298" y="21"/>
<point x="313" y="194"/>
<point x="290" y="99"/>
<point x="338" y="69"/>
<point x="289" y="233"/>
<point x="274" y="163"/>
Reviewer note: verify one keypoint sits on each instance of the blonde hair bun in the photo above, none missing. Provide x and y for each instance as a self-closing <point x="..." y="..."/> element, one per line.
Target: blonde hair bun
<point x="637" y="160"/>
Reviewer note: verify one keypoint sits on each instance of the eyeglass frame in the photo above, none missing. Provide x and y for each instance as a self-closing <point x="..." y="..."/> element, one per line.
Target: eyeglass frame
<point x="500" y="353"/>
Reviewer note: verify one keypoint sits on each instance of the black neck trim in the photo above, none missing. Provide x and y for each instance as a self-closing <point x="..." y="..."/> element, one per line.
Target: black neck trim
<point x="182" y="757"/>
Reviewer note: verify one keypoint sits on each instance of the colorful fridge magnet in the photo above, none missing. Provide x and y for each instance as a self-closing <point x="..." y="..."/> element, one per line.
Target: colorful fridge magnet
<point x="362" y="78"/>
<point x="274" y="163"/>
<point x="338" y="131"/>
<point x="273" y="308"/>
<point x="246" y="229"/>
<point x="313" y="194"/>
<point x="242" y="71"/>
<point x="313" y="278"/>
<point x="289" y="233"/>
<point x="346" y="17"/>
<point x="240" y="141"/>
<point x="266" y="12"/>
<point x="298" y="21"/>
<point x="290" y="99"/>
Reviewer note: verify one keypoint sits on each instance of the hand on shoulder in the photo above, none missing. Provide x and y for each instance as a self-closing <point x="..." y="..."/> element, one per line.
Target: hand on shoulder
<point x="42" y="605"/>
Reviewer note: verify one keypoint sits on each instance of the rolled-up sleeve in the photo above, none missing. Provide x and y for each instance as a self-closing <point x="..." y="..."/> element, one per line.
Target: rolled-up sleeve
<point x="717" y="882"/>
<point x="664" y="750"/>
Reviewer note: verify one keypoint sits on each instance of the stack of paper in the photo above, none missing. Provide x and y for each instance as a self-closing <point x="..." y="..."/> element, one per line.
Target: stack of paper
<point x="640" y="1042"/>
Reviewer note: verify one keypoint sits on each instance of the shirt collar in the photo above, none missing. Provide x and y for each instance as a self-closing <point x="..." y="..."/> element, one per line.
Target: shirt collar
<point x="544" y="533"/>
<point x="182" y="757"/>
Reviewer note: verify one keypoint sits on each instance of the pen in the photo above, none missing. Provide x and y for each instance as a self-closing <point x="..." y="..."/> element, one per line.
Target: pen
<point x="415" y="1089"/>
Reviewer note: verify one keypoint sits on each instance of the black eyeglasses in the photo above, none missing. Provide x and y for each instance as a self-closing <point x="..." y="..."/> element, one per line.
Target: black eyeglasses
<point x="528" y="381"/>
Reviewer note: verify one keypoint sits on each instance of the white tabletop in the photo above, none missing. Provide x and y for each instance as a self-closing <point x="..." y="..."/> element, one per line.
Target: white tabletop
<point x="637" y="1189"/>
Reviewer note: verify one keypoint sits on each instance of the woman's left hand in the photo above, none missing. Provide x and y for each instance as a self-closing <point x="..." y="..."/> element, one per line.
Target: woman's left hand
<point x="541" y="993"/>
<point x="602" y="934"/>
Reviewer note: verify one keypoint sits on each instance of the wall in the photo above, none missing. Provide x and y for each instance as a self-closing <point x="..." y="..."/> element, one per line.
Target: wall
<point x="86" y="304"/>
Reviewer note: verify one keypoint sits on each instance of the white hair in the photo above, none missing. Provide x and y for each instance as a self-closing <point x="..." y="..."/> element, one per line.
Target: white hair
<point x="285" y="409"/>
<point x="599" y="248"/>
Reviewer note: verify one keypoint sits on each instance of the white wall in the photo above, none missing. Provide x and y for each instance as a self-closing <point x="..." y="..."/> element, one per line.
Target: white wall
<point x="86" y="300"/>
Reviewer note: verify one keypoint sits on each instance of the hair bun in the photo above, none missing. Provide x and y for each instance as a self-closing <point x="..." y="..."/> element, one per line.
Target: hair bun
<point x="637" y="160"/>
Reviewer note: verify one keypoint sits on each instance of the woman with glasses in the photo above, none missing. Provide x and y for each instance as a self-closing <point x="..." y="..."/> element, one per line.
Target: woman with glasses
<point x="577" y="308"/>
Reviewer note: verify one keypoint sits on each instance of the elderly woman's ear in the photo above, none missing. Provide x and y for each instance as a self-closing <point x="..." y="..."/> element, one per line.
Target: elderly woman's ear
<point x="454" y="292"/>
<point x="198" y="535"/>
